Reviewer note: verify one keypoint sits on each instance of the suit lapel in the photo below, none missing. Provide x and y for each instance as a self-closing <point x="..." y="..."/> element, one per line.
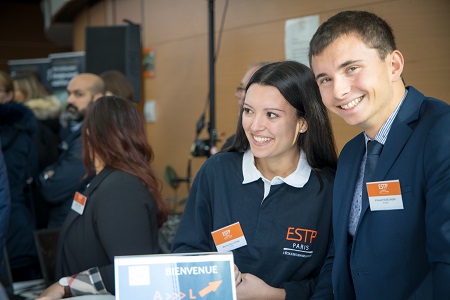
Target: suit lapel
<point x="398" y="136"/>
<point x="348" y="172"/>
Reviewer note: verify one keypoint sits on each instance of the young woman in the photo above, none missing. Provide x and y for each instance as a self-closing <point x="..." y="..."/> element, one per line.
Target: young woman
<point x="275" y="183"/>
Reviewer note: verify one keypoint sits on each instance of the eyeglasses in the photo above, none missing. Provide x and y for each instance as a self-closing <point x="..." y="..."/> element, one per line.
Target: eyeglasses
<point x="240" y="90"/>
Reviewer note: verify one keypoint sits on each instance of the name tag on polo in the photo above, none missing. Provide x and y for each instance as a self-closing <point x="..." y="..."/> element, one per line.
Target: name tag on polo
<point x="229" y="237"/>
<point x="385" y="195"/>
<point x="79" y="202"/>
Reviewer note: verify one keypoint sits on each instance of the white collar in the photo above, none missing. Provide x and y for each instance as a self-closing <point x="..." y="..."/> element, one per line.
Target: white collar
<point x="296" y="179"/>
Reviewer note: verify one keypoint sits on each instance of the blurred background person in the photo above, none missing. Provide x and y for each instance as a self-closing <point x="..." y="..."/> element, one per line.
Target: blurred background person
<point x="240" y="92"/>
<point x="60" y="181"/>
<point x="47" y="109"/>
<point x="123" y="207"/>
<point x="117" y="84"/>
<point x="28" y="86"/>
<point x="18" y="127"/>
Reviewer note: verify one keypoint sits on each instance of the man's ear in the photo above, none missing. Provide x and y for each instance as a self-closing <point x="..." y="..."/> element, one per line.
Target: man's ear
<point x="397" y="63"/>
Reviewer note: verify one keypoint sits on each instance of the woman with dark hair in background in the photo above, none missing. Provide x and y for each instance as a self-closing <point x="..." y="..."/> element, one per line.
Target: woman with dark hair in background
<point x="117" y="84"/>
<point x="275" y="182"/>
<point x="120" y="211"/>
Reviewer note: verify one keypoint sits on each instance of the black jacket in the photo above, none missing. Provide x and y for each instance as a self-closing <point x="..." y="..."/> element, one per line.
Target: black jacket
<point x="17" y="130"/>
<point x="119" y="218"/>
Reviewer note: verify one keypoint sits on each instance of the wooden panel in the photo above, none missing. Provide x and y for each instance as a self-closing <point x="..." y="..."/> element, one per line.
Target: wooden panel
<point x="180" y="89"/>
<point x="126" y="9"/>
<point x="169" y="20"/>
<point x="254" y="30"/>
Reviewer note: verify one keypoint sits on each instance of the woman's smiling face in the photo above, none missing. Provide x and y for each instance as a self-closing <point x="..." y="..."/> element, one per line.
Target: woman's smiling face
<point x="270" y="123"/>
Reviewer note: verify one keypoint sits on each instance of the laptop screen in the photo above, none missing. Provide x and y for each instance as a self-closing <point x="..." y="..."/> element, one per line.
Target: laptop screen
<point x="175" y="276"/>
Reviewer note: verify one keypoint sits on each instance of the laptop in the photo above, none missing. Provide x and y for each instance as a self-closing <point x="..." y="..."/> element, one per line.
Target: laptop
<point x="19" y="290"/>
<point x="203" y="276"/>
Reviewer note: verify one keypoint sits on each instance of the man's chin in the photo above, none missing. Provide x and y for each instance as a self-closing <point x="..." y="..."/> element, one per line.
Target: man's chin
<point x="68" y="118"/>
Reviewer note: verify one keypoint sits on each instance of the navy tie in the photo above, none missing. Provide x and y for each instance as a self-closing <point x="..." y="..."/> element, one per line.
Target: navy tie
<point x="373" y="153"/>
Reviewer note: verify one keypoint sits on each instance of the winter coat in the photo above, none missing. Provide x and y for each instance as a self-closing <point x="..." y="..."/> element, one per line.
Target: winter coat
<point x="47" y="111"/>
<point x="17" y="131"/>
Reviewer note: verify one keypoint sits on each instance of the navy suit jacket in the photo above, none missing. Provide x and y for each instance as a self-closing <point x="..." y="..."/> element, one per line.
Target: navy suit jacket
<point x="396" y="254"/>
<point x="59" y="189"/>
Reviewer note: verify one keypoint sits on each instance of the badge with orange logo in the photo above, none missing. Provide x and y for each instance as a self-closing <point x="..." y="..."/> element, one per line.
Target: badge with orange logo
<point x="229" y="237"/>
<point x="385" y="195"/>
<point x="79" y="201"/>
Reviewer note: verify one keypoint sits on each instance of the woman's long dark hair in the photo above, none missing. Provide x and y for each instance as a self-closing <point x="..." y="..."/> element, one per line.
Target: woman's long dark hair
<point x="113" y="130"/>
<point x="297" y="84"/>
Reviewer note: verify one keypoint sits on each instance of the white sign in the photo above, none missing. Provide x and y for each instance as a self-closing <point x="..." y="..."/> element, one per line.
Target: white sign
<point x="298" y="33"/>
<point x="207" y="275"/>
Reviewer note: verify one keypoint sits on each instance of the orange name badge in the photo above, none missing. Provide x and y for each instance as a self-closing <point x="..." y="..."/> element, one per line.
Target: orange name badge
<point x="79" y="201"/>
<point x="229" y="237"/>
<point x="384" y="195"/>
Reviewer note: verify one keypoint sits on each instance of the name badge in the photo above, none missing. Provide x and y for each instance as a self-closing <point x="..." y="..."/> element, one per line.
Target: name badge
<point x="229" y="237"/>
<point x="384" y="195"/>
<point x="79" y="201"/>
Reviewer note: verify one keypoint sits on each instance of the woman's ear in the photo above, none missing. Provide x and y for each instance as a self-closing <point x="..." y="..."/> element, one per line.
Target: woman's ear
<point x="302" y="125"/>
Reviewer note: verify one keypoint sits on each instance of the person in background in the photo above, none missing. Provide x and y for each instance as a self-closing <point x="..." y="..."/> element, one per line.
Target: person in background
<point x="123" y="207"/>
<point x="60" y="181"/>
<point x="28" y="86"/>
<point x="240" y="92"/>
<point x="18" y="128"/>
<point x="117" y="84"/>
<point x="47" y="109"/>
<point x="394" y="247"/>
<point x="5" y="202"/>
<point x="275" y="183"/>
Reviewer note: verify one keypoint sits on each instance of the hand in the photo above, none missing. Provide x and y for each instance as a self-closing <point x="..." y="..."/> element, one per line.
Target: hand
<point x="237" y="275"/>
<point x="53" y="292"/>
<point x="253" y="288"/>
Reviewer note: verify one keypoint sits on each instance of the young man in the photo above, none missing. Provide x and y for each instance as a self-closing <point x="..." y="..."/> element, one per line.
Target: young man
<point x="392" y="242"/>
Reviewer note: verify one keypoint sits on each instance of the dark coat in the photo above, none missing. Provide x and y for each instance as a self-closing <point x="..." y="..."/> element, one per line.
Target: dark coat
<point x="59" y="189"/>
<point x="5" y="203"/>
<point x="47" y="111"/>
<point x="17" y="130"/>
